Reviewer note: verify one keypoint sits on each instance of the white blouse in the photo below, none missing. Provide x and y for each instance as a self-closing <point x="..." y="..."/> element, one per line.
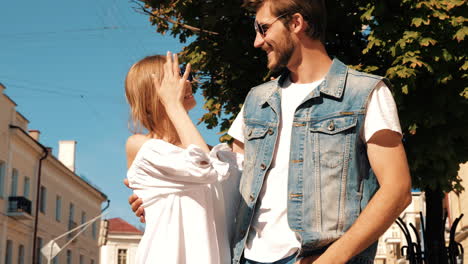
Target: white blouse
<point x="190" y="198"/>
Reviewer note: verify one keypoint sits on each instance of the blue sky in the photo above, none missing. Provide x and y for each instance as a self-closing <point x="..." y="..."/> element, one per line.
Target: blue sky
<point x="64" y="64"/>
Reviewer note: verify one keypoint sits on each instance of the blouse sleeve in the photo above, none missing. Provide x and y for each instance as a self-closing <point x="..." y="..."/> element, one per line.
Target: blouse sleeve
<point x="191" y="165"/>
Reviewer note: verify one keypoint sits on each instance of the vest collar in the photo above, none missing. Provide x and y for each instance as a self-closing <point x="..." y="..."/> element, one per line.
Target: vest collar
<point x="333" y="84"/>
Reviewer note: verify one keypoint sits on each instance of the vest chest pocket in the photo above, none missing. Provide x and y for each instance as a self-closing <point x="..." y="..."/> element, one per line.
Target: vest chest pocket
<point x="253" y="132"/>
<point x="254" y="135"/>
<point x="332" y="138"/>
<point x="334" y="125"/>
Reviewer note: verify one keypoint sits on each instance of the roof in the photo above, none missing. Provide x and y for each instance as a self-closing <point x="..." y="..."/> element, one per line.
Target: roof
<point x="52" y="157"/>
<point x="118" y="225"/>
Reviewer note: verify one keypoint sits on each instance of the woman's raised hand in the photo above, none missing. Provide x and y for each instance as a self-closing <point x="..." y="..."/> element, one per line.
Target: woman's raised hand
<point x="173" y="86"/>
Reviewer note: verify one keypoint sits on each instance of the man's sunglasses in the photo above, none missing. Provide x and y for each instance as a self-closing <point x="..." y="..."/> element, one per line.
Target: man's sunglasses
<point x="263" y="28"/>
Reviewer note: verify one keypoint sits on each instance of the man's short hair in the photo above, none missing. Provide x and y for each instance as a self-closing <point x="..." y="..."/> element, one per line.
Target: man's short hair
<point x="313" y="11"/>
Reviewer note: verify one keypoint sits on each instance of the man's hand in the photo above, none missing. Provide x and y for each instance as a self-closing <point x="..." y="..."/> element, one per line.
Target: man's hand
<point x="135" y="202"/>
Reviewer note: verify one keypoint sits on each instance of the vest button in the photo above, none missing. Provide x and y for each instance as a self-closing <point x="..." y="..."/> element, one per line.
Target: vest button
<point x="331" y="126"/>
<point x="270" y="131"/>
<point x="252" y="197"/>
<point x="263" y="166"/>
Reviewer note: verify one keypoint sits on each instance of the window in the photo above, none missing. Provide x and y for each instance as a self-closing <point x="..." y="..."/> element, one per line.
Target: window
<point x="21" y="254"/>
<point x="26" y="187"/>
<point x="9" y="252"/>
<point x="38" y="250"/>
<point x="398" y="250"/>
<point x="69" y="256"/>
<point x="58" y="208"/>
<point x="94" y="230"/>
<point x="122" y="256"/>
<point x="14" y="182"/>
<point x="83" y="219"/>
<point x="2" y="177"/>
<point x="43" y="199"/>
<point x="81" y="259"/>
<point x="71" y="214"/>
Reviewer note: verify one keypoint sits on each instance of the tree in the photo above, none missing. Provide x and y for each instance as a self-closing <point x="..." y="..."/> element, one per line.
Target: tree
<point x="417" y="44"/>
<point x="221" y="49"/>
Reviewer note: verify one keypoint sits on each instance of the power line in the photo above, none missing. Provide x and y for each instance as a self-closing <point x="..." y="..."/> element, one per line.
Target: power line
<point x="43" y="90"/>
<point x="99" y="29"/>
<point x="81" y="96"/>
<point x="39" y="83"/>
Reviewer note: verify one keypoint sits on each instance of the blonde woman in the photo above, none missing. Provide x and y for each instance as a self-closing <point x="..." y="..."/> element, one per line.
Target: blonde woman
<point x="174" y="172"/>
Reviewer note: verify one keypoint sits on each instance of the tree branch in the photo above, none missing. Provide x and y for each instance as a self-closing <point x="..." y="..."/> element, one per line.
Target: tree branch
<point x="142" y="10"/>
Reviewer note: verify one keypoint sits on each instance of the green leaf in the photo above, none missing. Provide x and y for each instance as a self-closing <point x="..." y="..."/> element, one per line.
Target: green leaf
<point x="464" y="67"/>
<point x="458" y="21"/>
<point x="447" y="55"/>
<point x="368" y="14"/>
<point x="440" y="15"/>
<point x="446" y="78"/>
<point x="427" y="41"/>
<point x="461" y="33"/>
<point x="412" y="129"/>
<point x="465" y="93"/>
<point x="418" y="21"/>
<point x="404" y="89"/>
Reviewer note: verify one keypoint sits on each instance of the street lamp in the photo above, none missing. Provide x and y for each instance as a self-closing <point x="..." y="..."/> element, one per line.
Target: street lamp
<point x="51" y="249"/>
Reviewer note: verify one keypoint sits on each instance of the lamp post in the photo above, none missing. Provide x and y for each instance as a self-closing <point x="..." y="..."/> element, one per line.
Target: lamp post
<point x="51" y="249"/>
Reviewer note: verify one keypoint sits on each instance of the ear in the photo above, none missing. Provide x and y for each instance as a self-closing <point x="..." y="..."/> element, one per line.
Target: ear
<point x="298" y="24"/>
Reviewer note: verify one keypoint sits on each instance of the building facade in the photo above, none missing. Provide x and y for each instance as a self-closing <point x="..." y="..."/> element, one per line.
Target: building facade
<point x="122" y="242"/>
<point x="390" y="243"/>
<point x="41" y="196"/>
<point x="458" y="204"/>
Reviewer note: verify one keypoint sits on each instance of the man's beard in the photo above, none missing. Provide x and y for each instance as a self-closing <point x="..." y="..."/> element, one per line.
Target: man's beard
<point x="284" y="53"/>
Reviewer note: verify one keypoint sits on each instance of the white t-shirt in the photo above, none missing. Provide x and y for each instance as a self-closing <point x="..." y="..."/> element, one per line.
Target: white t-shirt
<point x="188" y="199"/>
<point x="270" y="238"/>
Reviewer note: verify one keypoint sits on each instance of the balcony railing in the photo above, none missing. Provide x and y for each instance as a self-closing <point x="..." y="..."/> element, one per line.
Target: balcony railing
<point x="19" y="207"/>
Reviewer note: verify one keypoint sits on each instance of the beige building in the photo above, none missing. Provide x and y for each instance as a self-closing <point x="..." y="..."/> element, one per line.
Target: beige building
<point x="122" y="242"/>
<point x="458" y="204"/>
<point x="390" y="243"/>
<point x="41" y="196"/>
<point x="393" y="239"/>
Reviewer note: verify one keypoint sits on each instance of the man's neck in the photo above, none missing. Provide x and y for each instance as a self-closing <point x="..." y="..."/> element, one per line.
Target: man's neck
<point x="309" y="63"/>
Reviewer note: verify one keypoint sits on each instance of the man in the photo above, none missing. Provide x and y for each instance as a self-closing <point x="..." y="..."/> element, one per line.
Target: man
<point x="325" y="172"/>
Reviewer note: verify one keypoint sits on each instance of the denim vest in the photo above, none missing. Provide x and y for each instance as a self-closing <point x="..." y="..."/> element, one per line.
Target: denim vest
<point x="330" y="179"/>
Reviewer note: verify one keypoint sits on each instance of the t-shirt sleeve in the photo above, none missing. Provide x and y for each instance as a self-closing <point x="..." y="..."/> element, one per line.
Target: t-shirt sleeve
<point x="381" y="112"/>
<point x="237" y="128"/>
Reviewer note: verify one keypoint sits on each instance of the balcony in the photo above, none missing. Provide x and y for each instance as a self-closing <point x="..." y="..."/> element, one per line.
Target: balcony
<point x="19" y="208"/>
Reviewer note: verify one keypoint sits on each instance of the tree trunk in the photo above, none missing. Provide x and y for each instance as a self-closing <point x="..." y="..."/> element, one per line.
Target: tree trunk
<point x="435" y="251"/>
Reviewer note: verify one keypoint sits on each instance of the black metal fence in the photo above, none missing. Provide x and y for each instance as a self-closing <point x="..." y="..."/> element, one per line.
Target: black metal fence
<point x="414" y="251"/>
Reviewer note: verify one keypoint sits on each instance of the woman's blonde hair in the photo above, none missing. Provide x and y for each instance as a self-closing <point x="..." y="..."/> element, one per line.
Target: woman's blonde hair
<point x="146" y="109"/>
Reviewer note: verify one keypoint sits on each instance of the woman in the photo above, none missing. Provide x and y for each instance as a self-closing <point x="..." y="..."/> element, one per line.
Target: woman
<point x="173" y="170"/>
